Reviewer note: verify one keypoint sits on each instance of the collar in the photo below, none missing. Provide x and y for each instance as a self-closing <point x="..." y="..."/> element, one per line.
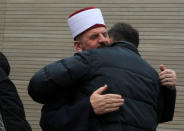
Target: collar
<point x="125" y="44"/>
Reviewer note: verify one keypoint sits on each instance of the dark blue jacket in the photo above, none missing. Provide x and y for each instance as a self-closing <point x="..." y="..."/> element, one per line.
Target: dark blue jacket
<point x="121" y="68"/>
<point x="11" y="107"/>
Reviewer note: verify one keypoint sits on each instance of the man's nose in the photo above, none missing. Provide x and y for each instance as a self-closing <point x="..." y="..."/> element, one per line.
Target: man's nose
<point x="102" y="39"/>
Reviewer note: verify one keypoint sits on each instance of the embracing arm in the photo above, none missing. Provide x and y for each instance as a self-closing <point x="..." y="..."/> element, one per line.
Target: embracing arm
<point x="58" y="77"/>
<point x="58" y="116"/>
<point x="167" y="96"/>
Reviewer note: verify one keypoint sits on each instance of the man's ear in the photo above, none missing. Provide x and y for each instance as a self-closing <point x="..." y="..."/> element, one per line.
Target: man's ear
<point x="77" y="46"/>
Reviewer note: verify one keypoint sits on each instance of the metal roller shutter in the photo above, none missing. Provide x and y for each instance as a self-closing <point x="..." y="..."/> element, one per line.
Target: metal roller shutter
<point x="34" y="33"/>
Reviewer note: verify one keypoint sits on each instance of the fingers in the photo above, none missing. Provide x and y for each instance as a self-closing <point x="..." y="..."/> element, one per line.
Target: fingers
<point x="162" y="67"/>
<point x="106" y="107"/>
<point x="165" y="76"/>
<point x="112" y="96"/>
<point x="101" y="89"/>
<point x="167" y="71"/>
<point x="168" y="78"/>
<point x="113" y="103"/>
<point x="168" y="84"/>
<point x="106" y="103"/>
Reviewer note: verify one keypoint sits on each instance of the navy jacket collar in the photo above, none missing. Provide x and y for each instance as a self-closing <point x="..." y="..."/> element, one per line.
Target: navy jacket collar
<point x="126" y="44"/>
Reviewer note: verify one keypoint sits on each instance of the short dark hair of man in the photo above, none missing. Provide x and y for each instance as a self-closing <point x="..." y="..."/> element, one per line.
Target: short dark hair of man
<point x="124" y="32"/>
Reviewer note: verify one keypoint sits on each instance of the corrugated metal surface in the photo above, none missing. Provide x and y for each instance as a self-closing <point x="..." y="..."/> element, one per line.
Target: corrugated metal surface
<point x="36" y="33"/>
<point x="2" y="16"/>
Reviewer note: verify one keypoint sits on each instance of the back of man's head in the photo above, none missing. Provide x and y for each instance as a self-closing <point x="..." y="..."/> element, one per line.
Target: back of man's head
<point x="124" y="32"/>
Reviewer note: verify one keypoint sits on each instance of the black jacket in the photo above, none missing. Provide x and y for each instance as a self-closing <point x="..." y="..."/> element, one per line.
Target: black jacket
<point x="121" y="68"/>
<point x="11" y="107"/>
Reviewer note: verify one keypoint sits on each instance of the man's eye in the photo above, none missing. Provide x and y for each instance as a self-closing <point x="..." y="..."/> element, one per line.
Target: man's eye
<point x="105" y="34"/>
<point x="93" y="37"/>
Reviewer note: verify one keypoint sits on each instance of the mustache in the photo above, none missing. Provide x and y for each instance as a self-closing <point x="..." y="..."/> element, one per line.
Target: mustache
<point x="102" y="45"/>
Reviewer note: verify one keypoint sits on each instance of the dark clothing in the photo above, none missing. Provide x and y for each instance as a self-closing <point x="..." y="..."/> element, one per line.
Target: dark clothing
<point x="121" y="68"/>
<point x="166" y="104"/>
<point x="11" y="107"/>
<point x="64" y="117"/>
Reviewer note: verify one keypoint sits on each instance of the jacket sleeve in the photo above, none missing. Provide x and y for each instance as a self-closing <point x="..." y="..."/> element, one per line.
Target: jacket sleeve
<point x="66" y="117"/>
<point x="58" y="77"/>
<point x="166" y="104"/>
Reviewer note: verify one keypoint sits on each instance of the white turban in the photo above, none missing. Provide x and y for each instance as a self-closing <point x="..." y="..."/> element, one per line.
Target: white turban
<point x="85" y="19"/>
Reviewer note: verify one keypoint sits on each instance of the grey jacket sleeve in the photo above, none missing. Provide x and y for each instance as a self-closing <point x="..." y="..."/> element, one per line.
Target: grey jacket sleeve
<point x="58" y="77"/>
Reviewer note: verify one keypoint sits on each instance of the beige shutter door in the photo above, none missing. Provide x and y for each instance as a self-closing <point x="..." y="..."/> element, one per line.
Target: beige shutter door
<point x="34" y="33"/>
<point x="2" y="21"/>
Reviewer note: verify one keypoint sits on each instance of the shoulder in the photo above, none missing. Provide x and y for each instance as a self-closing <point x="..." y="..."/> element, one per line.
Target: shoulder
<point x="4" y="65"/>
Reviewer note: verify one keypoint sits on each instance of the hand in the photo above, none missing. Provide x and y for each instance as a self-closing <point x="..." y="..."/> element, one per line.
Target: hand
<point x="103" y="104"/>
<point x="167" y="77"/>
